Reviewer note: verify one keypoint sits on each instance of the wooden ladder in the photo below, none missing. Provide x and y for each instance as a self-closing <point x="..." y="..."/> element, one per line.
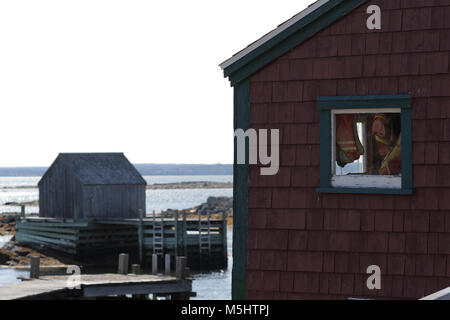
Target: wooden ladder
<point x="204" y="234"/>
<point x="158" y="235"/>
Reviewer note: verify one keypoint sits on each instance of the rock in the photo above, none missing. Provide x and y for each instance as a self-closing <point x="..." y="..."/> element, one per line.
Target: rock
<point x="5" y="256"/>
<point x="8" y="219"/>
<point x="217" y="205"/>
<point x="22" y="252"/>
<point x="9" y="246"/>
<point x="213" y="205"/>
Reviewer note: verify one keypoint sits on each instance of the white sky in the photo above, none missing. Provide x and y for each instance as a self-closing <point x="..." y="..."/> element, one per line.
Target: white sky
<point x="139" y="77"/>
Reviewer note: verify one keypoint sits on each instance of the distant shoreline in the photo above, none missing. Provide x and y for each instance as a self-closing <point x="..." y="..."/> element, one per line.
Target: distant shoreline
<point x="191" y="185"/>
<point x="165" y="186"/>
<point x="144" y="169"/>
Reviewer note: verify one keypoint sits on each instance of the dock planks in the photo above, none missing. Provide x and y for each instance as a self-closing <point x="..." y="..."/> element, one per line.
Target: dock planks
<point x="94" y="286"/>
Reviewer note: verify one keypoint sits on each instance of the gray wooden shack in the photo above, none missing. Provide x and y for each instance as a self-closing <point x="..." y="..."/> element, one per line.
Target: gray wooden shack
<point x="91" y="185"/>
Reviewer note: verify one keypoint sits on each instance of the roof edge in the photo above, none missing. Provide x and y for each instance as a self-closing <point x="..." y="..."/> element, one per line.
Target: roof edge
<point x="272" y="34"/>
<point x="49" y="169"/>
<point x="290" y="34"/>
<point x="86" y="153"/>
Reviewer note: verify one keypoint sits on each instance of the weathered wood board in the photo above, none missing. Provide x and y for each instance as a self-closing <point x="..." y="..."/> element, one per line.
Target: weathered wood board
<point x="94" y="285"/>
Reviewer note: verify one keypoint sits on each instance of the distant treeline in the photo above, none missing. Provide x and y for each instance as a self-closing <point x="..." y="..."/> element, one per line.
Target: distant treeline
<point x="144" y="169"/>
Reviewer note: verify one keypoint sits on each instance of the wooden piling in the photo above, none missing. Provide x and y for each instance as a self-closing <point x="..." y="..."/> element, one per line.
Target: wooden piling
<point x="176" y="233"/>
<point x="154" y="263"/>
<point x="123" y="263"/>
<point x="22" y="210"/>
<point x="136" y="269"/>
<point x="184" y="234"/>
<point x="224" y="240"/>
<point x="141" y="236"/>
<point x="35" y="262"/>
<point x="76" y="212"/>
<point x="180" y="267"/>
<point x="167" y="264"/>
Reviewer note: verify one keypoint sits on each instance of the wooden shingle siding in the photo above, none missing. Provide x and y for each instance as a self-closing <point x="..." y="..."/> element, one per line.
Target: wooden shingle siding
<point x="306" y="245"/>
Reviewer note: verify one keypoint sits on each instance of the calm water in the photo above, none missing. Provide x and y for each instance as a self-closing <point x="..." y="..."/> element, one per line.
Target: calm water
<point x="3" y="240"/>
<point x="209" y="286"/>
<point x="157" y="200"/>
<point x="9" y="275"/>
<point x="215" y="285"/>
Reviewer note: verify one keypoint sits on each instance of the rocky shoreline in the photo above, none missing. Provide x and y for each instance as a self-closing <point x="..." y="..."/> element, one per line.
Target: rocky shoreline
<point x="12" y="254"/>
<point x="7" y="224"/>
<point x="213" y="205"/>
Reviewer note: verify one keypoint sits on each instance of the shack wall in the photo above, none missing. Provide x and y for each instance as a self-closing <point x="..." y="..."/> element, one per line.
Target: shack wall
<point x="59" y="191"/>
<point x="306" y="245"/>
<point x="113" y="201"/>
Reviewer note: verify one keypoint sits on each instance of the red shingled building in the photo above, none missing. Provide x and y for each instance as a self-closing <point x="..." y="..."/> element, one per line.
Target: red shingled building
<point x="311" y="230"/>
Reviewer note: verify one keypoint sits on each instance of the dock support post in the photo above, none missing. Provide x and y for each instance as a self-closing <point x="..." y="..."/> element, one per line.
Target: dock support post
<point x="76" y="213"/>
<point x="184" y="234"/>
<point x="224" y="240"/>
<point x="176" y="233"/>
<point x="167" y="265"/>
<point x="154" y="263"/>
<point x="181" y="268"/>
<point x="35" y="262"/>
<point x="22" y="211"/>
<point x="123" y="263"/>
<point x="141" y="236"/>
<point x="136" y="268"/>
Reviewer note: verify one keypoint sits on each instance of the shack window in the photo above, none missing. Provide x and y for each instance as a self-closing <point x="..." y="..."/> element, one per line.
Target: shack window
<point x="362" y="144"/>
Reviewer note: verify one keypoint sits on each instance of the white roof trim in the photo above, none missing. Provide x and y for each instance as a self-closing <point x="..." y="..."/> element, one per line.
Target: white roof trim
<point x="273" y="33"/>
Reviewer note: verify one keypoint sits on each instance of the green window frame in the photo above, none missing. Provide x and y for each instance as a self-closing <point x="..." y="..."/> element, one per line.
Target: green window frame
<point x="328" y="103"/>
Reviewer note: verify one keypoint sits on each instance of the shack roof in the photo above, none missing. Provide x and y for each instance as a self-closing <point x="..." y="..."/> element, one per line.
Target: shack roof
<point x="99" y="168"/>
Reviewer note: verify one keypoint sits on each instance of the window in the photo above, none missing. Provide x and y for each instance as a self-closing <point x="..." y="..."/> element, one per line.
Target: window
<point x="365" y="144"/>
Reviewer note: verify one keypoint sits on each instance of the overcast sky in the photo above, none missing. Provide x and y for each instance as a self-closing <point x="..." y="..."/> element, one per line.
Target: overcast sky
<point x="139" y="77"/>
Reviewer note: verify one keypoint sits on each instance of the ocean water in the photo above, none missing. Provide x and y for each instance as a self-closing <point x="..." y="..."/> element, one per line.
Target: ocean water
<point x="24" y="189"/>
<point x="3" y="240"/>
<point x="9" y="275"/>
<point x="215" y="285"/>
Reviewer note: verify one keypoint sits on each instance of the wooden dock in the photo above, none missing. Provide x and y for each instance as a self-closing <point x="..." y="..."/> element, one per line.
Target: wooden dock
<point x="202" y="240"/>
<point x="94" y="286"/>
